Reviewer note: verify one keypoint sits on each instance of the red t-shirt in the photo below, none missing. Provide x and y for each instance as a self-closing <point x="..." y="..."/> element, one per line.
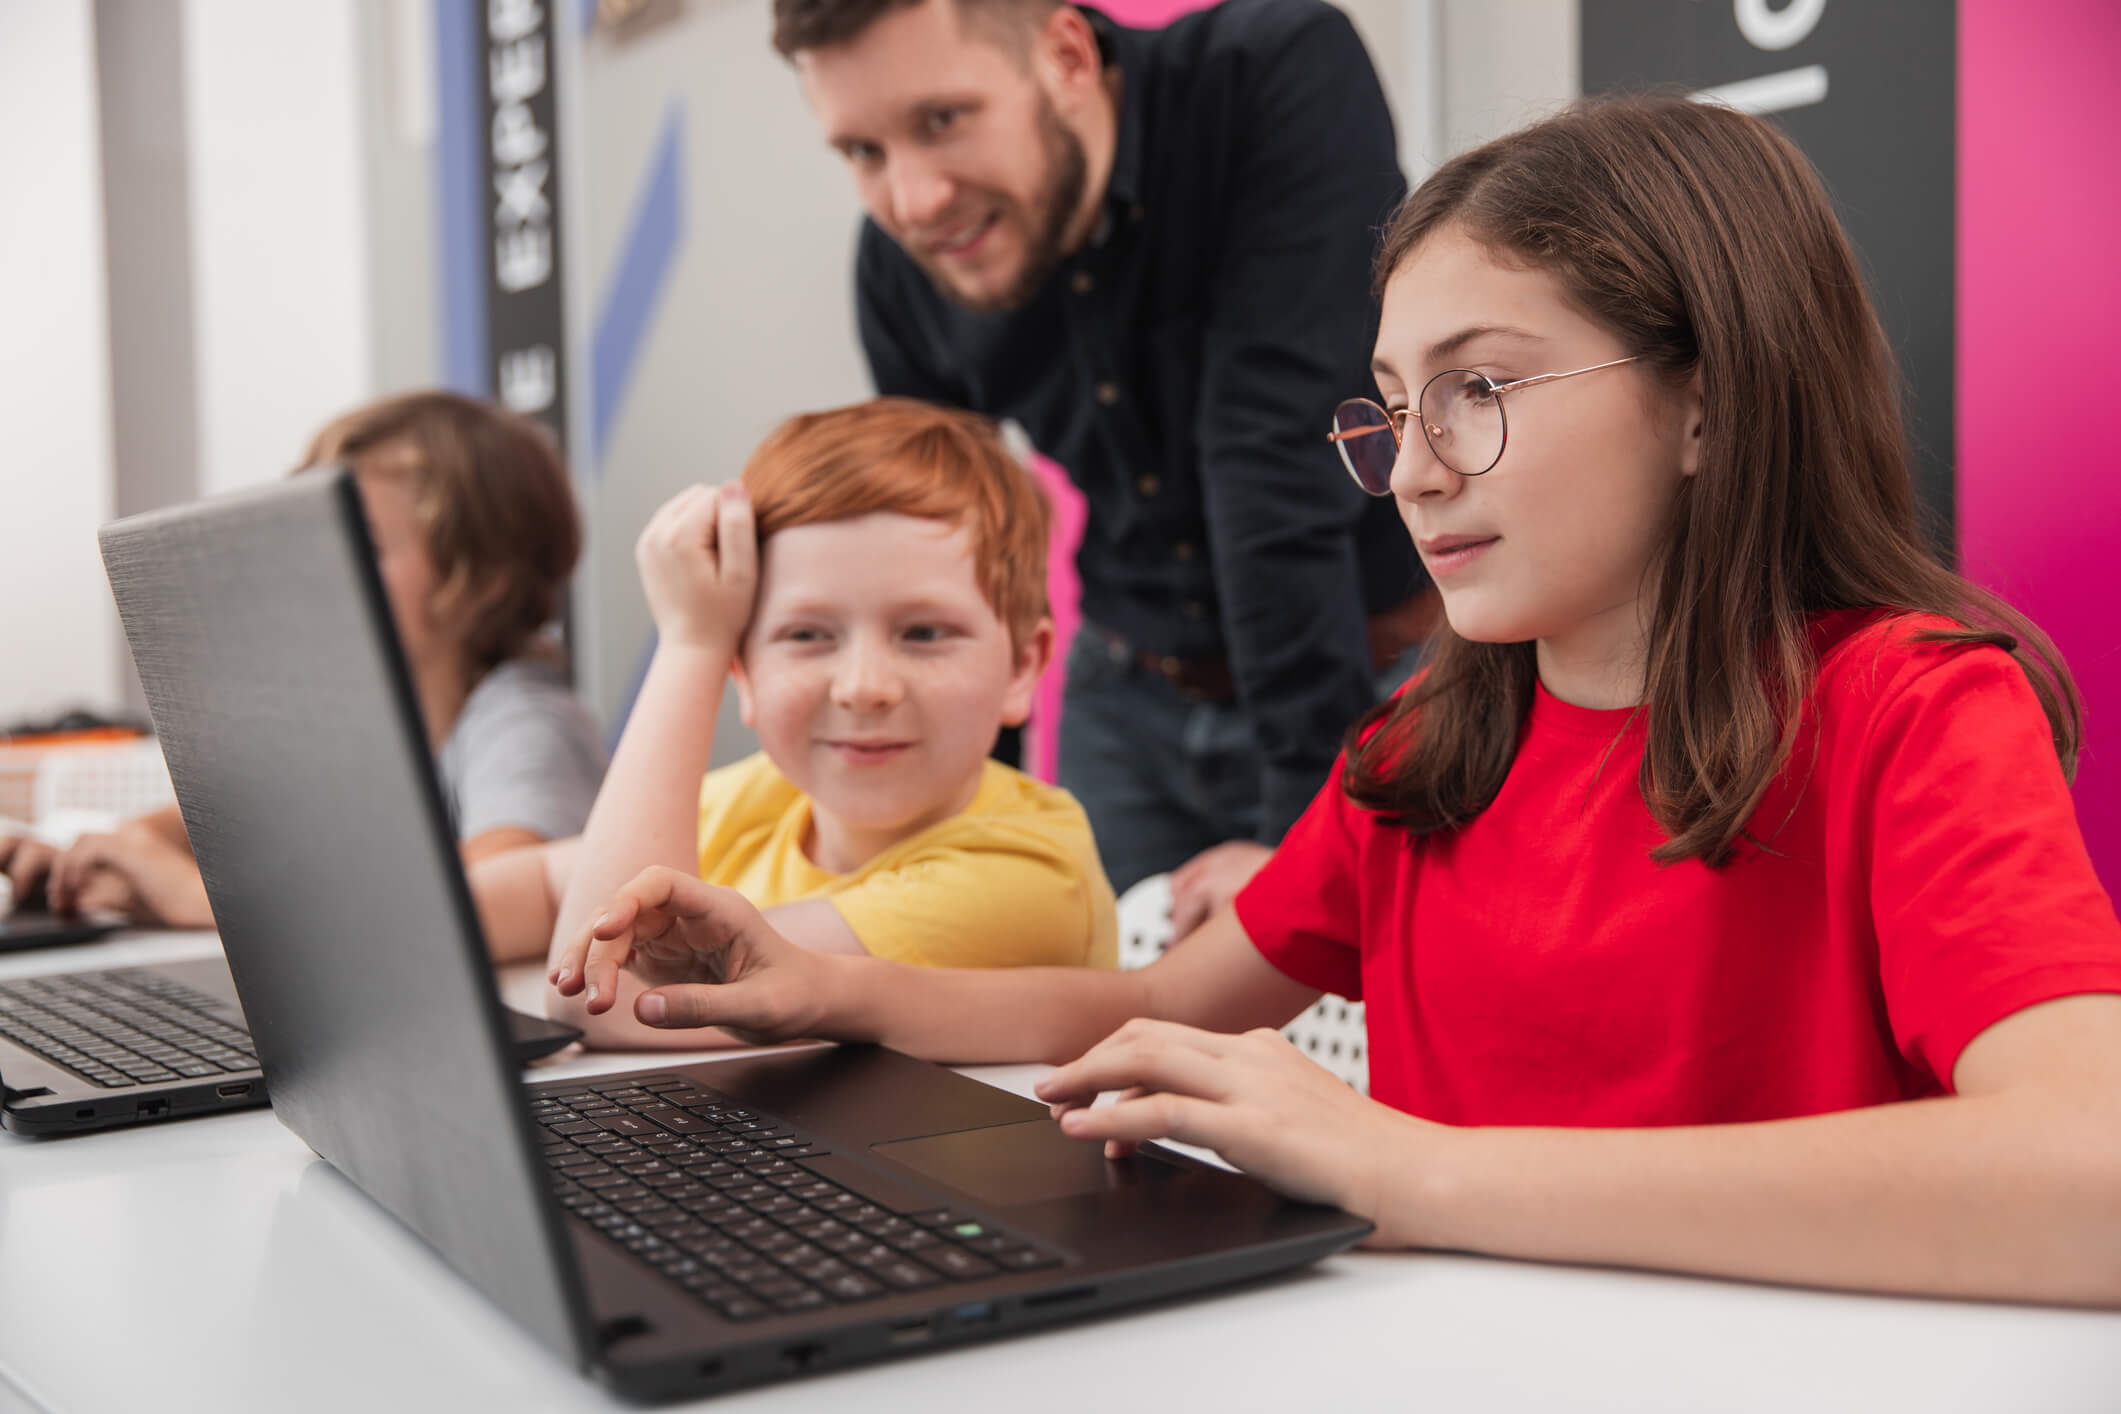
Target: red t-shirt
<point x="1537" y="967"/>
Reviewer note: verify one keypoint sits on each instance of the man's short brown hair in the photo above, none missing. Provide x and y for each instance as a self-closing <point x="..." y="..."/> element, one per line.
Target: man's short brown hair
<point x="819" y="24"/>
<point x="491" y="499"/>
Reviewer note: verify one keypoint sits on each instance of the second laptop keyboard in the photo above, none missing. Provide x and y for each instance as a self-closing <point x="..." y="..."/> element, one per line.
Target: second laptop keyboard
<point x="717" y="1197"/>
<point x="125" y="1026"/>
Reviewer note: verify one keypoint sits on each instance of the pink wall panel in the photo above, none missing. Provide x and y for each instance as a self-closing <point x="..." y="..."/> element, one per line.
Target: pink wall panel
<point x="1147" y="14"/>
<point x="2039" y="348"/>
<point x="1064" y="592"/>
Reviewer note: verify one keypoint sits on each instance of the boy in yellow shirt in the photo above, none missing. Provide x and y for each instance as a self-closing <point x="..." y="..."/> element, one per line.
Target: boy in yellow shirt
<point x="875" y="583"/>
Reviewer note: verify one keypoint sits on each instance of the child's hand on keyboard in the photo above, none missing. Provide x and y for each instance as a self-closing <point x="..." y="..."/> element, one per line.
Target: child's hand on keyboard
<point x="133" y="871"/>
<point x="25" y="863"/>
<point x="705" y="952"/>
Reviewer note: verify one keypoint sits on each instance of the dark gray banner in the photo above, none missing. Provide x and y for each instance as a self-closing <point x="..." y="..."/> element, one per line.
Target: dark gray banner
<point x="525" y="315"/>
<point x="1868" y="88"/>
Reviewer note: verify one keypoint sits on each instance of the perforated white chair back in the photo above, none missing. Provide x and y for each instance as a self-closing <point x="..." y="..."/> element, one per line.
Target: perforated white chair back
<point x="1331" y="1033"/>
<point x="117" y="782"/>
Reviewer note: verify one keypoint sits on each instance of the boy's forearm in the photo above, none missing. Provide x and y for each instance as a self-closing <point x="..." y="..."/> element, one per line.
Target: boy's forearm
<point x="647" y="811"/>
<point x="963" y="1016"/>
<point x="514" y="904"/>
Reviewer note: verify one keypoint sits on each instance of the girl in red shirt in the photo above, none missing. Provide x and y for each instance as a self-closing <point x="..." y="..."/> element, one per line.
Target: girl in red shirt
<point x="1715" y="893"/>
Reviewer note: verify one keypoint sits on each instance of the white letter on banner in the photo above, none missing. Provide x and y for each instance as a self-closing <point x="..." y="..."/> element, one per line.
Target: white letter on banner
<point x="522" y="258"/>
<point x="516" y="136"/>
<point x="1764" y="28"/>
<point x="522" y="193"/>
<point x="517" y="70"/>
<point x="527" y="378"/>
<point x="509" y="20"/>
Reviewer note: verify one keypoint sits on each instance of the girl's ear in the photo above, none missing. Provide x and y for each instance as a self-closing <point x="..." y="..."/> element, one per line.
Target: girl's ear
<point x="1031" y="660"/>
<point x="746" y="707"/>
<point x="1690" y="415"/>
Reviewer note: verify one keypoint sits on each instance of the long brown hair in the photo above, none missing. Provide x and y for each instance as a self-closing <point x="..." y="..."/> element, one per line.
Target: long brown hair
<point x="491" y="499"/>
<point x="1701" y="238"/>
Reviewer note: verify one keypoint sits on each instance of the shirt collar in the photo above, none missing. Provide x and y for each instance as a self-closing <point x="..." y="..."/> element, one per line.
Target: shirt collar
<point x="1127" y="50"/>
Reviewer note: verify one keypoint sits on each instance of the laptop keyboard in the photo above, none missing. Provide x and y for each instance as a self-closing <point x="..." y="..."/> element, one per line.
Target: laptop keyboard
<point x="717" y="1197"/>
<point x="127" y="1026"/>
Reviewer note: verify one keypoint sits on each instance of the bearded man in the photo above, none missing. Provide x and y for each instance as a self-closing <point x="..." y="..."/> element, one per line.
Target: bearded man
<point x="1151" y="249"/>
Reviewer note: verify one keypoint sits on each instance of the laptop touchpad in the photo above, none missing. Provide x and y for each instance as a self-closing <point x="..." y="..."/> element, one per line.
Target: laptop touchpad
<point x="1021" y="1163"/>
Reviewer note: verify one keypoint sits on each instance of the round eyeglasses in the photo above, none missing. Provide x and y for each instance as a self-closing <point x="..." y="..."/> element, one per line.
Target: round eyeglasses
<point x="1461" y="418"/>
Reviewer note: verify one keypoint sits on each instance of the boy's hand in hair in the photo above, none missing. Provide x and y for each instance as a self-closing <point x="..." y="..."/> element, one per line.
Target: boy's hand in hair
<point x="708" y="957"/>
<point x="699" y="564"/>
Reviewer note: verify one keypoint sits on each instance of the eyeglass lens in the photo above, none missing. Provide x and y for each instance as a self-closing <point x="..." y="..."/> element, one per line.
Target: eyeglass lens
<point x="1367" y="443"/>
<point x="1460" y="416"/>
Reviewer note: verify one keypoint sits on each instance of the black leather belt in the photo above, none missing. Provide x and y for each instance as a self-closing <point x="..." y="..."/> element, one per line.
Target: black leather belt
<point x="1391" y="633"/>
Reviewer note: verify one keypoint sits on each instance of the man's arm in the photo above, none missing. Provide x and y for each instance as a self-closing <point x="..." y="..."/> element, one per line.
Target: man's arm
<point x="1288" y="336"/>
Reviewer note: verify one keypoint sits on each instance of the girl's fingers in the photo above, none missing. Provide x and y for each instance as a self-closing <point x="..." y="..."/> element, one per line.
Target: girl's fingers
<point x="1169" y="1069"/>
<point x="1124" y="1148"/>
<point x="1185" y="1119"/>
<point x="566" y="973"/>
<point x="1160" y="1055"/>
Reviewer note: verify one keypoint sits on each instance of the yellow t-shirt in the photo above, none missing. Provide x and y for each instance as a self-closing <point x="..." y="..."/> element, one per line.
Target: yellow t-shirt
<point x="1010" y="881"/>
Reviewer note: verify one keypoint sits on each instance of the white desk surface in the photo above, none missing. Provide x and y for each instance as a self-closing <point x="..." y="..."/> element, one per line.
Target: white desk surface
<point x="216" y="1264"/>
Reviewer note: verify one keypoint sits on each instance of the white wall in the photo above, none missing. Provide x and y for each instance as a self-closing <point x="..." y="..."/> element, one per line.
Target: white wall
<point x="57" y="627"/>
<point x="1503" y="64"/>
<point x="220" y="144"/>
<point x="758" y="320"/>
<point x="279" y="247"/>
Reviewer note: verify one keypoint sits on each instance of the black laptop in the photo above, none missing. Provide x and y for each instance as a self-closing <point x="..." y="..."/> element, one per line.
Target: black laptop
<point x="677" y="1230"/>
<point x="41" y="928"/>
<point x="117" y="1046"/>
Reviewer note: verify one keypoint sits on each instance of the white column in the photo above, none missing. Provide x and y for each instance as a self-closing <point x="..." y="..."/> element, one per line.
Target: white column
<point x="57" y="628"/>
<point x="281" y="272"/>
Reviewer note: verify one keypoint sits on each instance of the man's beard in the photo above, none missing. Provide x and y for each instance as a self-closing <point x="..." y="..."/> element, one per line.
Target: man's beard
<point x="1067" y="173"/>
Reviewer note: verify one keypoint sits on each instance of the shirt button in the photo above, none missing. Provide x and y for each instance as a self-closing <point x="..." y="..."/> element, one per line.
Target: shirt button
<point x="1195" y="609"/>
<point x="1136" y="214"/>
<point x="1082" y="283"/>
<point x="1148" y="484"/>
<point x="1183" y="550"/>
<point x="1108" y="393"/>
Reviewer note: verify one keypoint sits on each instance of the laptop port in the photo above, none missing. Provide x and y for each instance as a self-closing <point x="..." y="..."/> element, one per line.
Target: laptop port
<point x="233" y="1088"/>
<point x="152" y="1109"/>
<point x="1059" y="1298"/>
<point x="912" y="1333"/>
<point x="85" y="1112"/>
<point x="807" y="1356"/>
<point x="976" y="1313"/>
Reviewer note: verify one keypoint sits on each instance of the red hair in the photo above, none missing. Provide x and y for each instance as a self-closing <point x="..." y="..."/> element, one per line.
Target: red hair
<point x="912" y="459"/>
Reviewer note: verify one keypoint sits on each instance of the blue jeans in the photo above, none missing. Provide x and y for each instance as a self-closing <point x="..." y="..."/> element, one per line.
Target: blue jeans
<point x="1162" y="777"/>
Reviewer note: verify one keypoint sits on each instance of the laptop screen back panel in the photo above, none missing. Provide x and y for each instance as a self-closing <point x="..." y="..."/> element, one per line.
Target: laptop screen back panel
<point x="264" y="643"/>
